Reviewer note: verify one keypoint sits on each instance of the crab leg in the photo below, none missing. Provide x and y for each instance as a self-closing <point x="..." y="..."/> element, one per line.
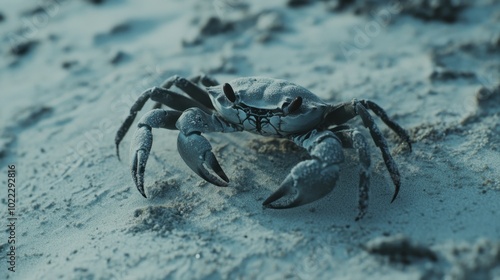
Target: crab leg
<point x="352" y="138"/>
<point x="346" y="111"/>
<point x="370" y="105"/>
<point x="311" y="179"/>
<point x="191" y="88"/>
<point x="161" y="95"/>
<point x="204" y="80"/>
<point x="143" y="140"/>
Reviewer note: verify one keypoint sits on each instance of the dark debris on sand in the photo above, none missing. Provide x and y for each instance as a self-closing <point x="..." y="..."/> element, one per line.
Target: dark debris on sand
<point x="298" y="3"/>
<point x="95" y="2"/>
<point x="400" y="249"/>
<point x="23" y="48"/>
<point x="488" y="96"/>
<point x="439" y="10"/>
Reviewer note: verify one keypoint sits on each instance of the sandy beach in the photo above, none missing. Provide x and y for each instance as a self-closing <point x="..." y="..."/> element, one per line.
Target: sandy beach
<point x="70" y="70"/>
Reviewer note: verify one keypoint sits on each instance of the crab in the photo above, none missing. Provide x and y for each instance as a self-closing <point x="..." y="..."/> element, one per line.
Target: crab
<point x="269" y="107"/>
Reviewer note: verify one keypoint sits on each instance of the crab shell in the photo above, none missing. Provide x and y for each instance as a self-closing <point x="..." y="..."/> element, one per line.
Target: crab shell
<point x="260" y="106"/>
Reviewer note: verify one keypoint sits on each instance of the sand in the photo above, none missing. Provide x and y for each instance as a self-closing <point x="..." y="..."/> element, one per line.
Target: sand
<point x="70" y="71"/>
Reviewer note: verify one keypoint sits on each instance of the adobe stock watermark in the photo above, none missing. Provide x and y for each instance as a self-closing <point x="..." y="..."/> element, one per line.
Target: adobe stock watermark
<point x="31" y="24"/>
<point x="93" y="138"/>
<point x="363" y="36"/>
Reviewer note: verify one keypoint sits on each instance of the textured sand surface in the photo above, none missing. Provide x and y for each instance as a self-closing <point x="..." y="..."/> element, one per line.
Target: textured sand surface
<point x="70" y="71"/>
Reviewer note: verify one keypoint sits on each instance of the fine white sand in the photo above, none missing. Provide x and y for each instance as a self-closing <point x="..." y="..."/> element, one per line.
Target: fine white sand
<point x="70" y="71"/>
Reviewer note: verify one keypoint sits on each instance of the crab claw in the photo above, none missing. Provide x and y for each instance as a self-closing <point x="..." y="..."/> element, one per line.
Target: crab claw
<point x="196" y="152"/>
<point x="139" y="149"/>
<point x="307" y="182"/>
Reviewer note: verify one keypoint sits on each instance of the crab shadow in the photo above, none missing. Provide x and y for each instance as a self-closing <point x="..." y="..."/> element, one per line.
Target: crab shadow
<point x="257" y="166"/>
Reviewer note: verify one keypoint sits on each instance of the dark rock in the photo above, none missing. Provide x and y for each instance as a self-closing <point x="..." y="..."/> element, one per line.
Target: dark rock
<point x="488" y="95"/>
<point x="120" y="28"/>
<point x="337" y="5"/>
<point x="400" y="248"/>
<point x="297" y="3"/>
<point x="441" y="10"/>
<point x="23" y="48"/>
<point x="69" y="64"/>
<point x="95" y="2"/>
<point x="32" y="114"/>
<point x="119" y="57"/>
<point x="441" y="74"/>
<point x="213" y="26"/>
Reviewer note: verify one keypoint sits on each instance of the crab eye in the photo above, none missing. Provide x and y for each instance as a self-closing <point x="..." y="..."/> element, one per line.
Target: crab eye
<point x="293" y="106"/>
<point x="229" y="92"/>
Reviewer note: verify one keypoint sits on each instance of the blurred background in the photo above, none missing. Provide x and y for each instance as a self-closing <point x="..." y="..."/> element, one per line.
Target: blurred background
<point x="71" y="69"/>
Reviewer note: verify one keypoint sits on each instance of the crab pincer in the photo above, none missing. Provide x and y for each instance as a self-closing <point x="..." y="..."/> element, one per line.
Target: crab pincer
<point x="307" y="182"/>
<point x="311" y="179"/>
<point x="196" y="152"/>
